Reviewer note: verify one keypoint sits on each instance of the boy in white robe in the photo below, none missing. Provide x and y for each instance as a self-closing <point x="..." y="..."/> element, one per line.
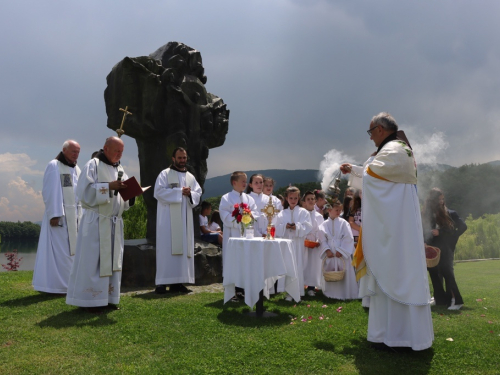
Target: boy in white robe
<point x="95" y="278"/>
<point x="392" y="243"/>
<point x="294" y="223"/>
<point x="337" y="246"/>
<point x="177" y="192"/>
<point x="312" y="259"/>
<point x="57" y="242"/>
<point x="226" y="208"/>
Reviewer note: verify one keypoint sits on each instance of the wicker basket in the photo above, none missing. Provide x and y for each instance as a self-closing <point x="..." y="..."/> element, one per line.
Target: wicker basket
<point x="433" y="262"/>
<point x="330" y="276"/>
<point x="311" y="244"/>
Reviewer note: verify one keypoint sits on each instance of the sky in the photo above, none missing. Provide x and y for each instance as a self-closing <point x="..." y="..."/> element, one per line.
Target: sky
<point x="302" y="79"/>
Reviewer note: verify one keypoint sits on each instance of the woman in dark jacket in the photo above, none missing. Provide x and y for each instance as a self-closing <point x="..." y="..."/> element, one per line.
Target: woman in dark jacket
<point x="442" y="228"/>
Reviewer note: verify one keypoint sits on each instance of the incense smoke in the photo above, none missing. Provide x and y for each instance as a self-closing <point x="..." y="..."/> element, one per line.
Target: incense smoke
<point x="429" y="149"/>
<point x="329" y="166"/>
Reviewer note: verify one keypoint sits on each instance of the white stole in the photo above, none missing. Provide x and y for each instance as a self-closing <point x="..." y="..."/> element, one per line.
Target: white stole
<point x="176" y="224"/>
<point x="69" y="202"/>
<point x="110" y="259"/>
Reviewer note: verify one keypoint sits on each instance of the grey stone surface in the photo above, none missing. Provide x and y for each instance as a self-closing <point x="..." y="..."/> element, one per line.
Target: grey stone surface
<point x="171" y="108"/>
<point x="139" y="264"/>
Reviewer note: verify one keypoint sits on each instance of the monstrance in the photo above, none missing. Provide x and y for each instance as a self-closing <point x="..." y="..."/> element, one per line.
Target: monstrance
<point x="269" y="211"/>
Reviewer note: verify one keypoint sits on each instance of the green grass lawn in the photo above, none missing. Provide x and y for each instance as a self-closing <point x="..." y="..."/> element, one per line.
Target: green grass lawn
<point x="197" y="334"/>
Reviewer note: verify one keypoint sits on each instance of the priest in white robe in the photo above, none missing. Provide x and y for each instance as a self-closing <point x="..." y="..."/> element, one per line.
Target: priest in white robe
<point x="177" y="192"/>
<point x="57" y="242"/>
<point x="392" y="245"/>
<point x="95" y="278"/>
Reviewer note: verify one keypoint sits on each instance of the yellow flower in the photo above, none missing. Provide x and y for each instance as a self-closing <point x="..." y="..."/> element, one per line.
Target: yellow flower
<point x="246" y="219"/>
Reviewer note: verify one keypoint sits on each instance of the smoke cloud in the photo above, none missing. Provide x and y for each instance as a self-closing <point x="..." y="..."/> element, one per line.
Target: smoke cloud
<point x="429" y="150"/>
<point x="329" y="166"/>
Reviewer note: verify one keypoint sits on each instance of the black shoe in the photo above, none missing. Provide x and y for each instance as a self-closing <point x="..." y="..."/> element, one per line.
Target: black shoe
<point x="240" y="295"/>
<point x="183" y="289"/>
<point x="178" y="288"/>
<point x="161" y="289"/>
<point x="234" y="299"/>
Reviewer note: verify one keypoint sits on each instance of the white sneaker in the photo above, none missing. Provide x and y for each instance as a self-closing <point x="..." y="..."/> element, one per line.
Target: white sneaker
<point x="311" y="293"/>
<point x="289" y="298"/>
<point x="452" y="301"/>
<point x="455" y="307"/>
<point x="432" y="302"/>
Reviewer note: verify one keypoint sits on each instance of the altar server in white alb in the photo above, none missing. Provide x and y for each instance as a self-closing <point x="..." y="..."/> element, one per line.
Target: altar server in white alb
<point x="337" y="246"/>
<point x="57" y="242"/>
<point x="226" y="207"/>
<point x="311" y="258"/>
<point x="96" y="273"/>
<point x="294" y="223"/>
<point x="392" y="245"/>
<point x="254" y="189"/>
<point x="177" y="193"/>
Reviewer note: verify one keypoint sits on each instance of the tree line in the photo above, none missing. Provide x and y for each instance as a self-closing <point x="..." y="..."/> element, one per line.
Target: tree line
<point x="24" y="230"/>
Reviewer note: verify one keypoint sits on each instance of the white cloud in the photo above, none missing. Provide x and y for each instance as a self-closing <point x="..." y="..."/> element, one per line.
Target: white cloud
<point x="18" y="163"/>
<point x="21" y="202"/>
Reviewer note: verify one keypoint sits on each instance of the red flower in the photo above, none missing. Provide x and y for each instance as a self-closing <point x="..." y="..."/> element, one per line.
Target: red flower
<point x="238" y="218"/>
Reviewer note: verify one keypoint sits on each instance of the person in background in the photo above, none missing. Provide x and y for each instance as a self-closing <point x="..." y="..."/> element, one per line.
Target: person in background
<point x="207" y="234"/>
<point x="442" y="228"/>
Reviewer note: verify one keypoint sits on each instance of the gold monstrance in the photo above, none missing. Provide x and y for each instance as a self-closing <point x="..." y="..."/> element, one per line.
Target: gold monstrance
<point x="120" y="131"/>
<point x="269" y="211"/>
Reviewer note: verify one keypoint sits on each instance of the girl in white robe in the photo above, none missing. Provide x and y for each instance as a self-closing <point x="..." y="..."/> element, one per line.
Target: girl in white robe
<point x="294" y="223"/>
<point x="337" y="246"/>
<point x="268" y="190"/>
<point x="311" y="256"/>
<point x="254" y="189"/>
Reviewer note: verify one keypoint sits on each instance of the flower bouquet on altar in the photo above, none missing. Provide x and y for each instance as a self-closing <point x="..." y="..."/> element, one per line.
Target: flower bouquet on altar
<point x="243" y="216"/>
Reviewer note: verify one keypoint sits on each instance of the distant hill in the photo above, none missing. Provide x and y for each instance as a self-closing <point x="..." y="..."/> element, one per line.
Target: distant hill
<point x="220" y="185"/>
<point x="494" y="163"/>
<point x="433" y="167"/>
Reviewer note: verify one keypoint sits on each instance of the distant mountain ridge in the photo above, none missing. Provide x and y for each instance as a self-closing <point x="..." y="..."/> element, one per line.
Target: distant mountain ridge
<point x="220" y="185"/>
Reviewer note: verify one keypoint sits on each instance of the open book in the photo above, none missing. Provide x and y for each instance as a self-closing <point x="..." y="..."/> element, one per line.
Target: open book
<point x="133" y="189"/>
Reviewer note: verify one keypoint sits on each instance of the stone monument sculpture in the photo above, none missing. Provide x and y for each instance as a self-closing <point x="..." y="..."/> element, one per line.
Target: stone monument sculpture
<point x="170" y="107"/>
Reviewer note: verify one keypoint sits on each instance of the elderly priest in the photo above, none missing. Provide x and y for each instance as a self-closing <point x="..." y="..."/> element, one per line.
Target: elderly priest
<point x="96" y="274"/>
<point x="391" y="242"/>
<point x="57" y="242"/>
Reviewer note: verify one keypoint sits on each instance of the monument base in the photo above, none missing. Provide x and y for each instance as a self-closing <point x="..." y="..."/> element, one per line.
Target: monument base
<point x="139" y="263"/>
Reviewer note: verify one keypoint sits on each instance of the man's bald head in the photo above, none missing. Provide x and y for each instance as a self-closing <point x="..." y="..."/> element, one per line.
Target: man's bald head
<point x="113" y="149"/>
<point x="71" y="150"/>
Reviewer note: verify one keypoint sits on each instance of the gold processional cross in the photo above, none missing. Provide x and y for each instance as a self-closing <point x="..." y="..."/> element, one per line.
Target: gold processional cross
<point x="120" y="131"/>
<point x="269" y="211"/>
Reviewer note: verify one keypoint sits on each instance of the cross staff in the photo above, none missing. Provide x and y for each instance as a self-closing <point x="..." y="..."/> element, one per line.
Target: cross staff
<point x="120" y="131"/>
